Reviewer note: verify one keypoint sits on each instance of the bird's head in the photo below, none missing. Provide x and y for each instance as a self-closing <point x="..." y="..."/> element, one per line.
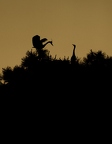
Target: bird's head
<point x="74" y="46"/>
<point x="51" y="42"/>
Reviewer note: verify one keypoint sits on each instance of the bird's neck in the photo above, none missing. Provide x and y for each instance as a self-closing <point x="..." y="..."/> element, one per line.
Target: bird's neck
<point x="73" y="52"/>
<point x="47" y="43"/>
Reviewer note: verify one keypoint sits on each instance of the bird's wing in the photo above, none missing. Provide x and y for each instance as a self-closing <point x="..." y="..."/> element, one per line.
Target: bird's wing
<point x="35" y="40"/>
<point x="36" y="37"/>
<point x="43" y="40"/>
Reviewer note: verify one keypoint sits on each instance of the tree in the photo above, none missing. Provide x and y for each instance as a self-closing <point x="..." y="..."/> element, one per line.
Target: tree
<point x="7" y="74"/>
<point x="95" y="59"/>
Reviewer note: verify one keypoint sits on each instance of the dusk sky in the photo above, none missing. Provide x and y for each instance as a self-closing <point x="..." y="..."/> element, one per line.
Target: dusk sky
<point x="86" y="23"/>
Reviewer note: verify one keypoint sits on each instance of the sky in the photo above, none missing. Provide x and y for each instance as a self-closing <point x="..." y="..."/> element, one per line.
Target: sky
<point x="85" y="23"/>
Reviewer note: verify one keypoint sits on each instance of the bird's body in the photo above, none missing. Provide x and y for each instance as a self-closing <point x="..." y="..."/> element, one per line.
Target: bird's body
<point x="38" y="43"/>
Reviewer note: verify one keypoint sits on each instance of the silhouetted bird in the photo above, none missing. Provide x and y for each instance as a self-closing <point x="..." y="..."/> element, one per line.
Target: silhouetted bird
<point x="38" y="43"/>
<point x="73" y="58"/>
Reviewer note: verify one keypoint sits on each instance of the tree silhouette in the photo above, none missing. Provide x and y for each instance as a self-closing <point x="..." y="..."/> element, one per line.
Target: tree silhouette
<point x="96" y="59"/>
<point x="43" y="86"/>
<point x="30" y="60"/>
<point x="7" y="74"/>
<point x="35" y="71"/>
<point x="43" y="80"/>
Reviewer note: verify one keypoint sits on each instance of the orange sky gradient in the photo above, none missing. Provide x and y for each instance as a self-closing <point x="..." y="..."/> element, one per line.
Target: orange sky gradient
<point x="86" y="23"/>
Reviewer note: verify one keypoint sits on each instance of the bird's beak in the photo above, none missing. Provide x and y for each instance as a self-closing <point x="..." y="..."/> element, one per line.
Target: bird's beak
<point x="52" y="43"/>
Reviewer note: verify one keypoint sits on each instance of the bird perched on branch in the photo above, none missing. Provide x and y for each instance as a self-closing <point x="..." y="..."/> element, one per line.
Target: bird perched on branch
<point x="38" y="43"/>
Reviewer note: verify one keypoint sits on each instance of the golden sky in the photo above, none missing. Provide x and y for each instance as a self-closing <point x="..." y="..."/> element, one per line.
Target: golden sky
<point x="86" y="23"/>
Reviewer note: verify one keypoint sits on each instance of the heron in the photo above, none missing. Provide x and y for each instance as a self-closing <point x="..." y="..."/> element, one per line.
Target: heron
<point x="73" y="58"/>
<point x="38" y="43"/>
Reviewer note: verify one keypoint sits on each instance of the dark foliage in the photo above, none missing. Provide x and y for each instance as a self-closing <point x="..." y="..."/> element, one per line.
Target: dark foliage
<point x="41" y="75"/>
<point x="49" y="87"/>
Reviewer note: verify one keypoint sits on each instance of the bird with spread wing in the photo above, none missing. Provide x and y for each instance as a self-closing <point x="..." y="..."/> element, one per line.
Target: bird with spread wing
<point x="38" y="43"/>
